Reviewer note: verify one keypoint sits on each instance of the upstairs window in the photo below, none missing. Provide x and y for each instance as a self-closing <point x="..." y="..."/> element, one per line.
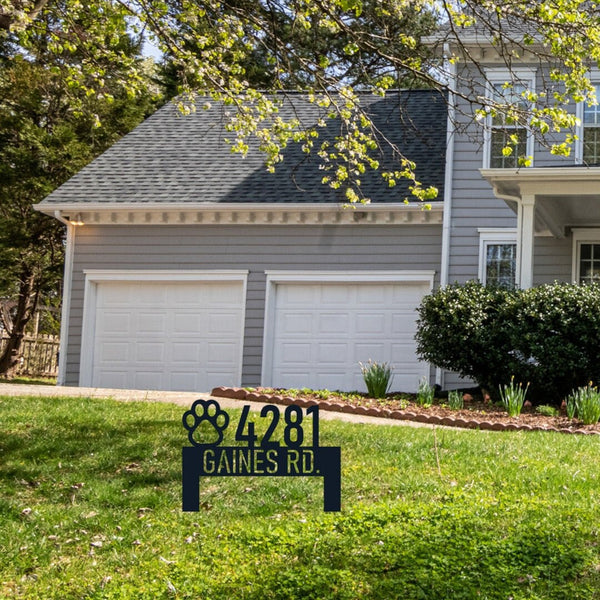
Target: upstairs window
<point x="506" y="132"/>
<point x="507" y="138"/>
<point x="591" y="132"/>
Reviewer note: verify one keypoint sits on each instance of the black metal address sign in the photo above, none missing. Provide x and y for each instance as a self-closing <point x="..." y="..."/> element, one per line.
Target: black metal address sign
<point x="206" y="423"/>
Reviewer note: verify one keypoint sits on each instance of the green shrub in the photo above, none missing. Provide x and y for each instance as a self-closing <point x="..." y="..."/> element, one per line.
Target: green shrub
<point x="458" y="330"/>
<point x="549" y="335"/>
<point x="585" y="404"/>
<point x="546" y="411"/>
<point x="377" y="377"/>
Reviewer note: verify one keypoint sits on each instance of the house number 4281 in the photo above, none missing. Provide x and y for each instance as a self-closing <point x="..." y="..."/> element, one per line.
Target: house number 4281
<point x="293" y="432"/>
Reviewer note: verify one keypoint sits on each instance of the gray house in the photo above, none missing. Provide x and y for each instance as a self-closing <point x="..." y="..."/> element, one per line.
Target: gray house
<point x="190" y="267"/>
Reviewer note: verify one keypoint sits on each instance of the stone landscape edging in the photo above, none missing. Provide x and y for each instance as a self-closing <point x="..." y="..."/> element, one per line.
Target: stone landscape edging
<point x="235" y="393"/>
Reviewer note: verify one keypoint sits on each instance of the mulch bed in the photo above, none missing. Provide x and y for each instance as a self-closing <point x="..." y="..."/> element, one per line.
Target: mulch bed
<point x="476" y="413"/>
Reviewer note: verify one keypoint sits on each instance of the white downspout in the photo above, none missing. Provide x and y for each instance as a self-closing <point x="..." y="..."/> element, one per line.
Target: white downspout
<point x="448" y="182"/>
<point x="66" y="300"/>
<point x="448" y="176"/>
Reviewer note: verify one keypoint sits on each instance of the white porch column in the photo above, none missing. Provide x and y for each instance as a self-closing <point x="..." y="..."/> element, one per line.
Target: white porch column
<point x="525" y="233"/>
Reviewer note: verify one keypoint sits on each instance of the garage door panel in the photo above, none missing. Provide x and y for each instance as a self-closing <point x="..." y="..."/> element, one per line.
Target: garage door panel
<point x="213" y="377"/>
<point x="332" y="353"/>
<point x="148" y="379"/>
<point x="295" y="323"/>
<point x="186" y="323"/>
<point x="114" y="322"/>
<point x="377" y="351"/>
<point x="321" y="331"/>
<point x="371" y="323"/>
<point x="296" y="296"/>
<point x="404" y="323"/>
<point x="293" y="353"/>
<point x="114" y="351"/>
<point x="221" y="353"/>
<point x="332" y="381"/>
<point x="339" y="295"/>
<point x="293" y="379"/>
<point x="408" y="296"/>
<point x="334" y="323"/>
<point x="181" y="296"/>
<point x="150" y="322"/>
<point x="114" y="295"/>
<point x="149" y="295"/>
<point x="162" y="336"/>
<point x="185" y="352"/>
<point x="110" y="379"/>
<point x="222" y="322"/>
<point x="373" y="296"/>
<point x="150" y="352"/>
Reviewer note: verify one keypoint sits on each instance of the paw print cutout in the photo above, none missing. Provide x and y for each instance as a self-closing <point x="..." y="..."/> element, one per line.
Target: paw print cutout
<point x="205" y="422"/>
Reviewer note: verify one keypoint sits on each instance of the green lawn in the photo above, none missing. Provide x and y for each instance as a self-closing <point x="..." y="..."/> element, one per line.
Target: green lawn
<point x="90" y="507"/>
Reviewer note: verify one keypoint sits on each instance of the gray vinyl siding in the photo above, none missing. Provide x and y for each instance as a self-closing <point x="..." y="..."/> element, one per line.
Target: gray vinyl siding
<point x="474" y="204"/>
<point x="255" y="248"/>
<point x="553" y="260"/>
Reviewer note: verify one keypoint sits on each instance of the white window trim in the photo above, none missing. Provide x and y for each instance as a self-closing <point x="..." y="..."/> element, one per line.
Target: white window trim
<point x="582" y="236"/>
<point x="488" y="236"/>
<point x="94" y="277"/>
<point x="579" y="132"/>
<point x="277" y="277"/>
<point x="579" y="129"/>
<point x="524" y="75"/>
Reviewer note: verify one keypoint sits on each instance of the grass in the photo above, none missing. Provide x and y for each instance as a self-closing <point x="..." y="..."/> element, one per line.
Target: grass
<point x="30" y="380"/>
<point x="90" y="496"/>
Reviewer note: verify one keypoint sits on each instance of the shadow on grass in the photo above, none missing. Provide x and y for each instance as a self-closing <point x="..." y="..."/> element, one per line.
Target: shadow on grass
<point x="68" y="440"/>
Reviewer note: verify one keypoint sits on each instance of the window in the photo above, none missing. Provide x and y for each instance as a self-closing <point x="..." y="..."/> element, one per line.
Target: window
<point x="498" y="257"/>
<point x="589" y="263"/>
<point x="504" y="131"/>
<point x="586" y="255"/>
<point x="591" y="132"/>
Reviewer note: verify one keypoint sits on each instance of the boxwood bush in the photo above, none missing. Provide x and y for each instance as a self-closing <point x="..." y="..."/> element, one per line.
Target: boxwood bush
<point x="548" y="336"/>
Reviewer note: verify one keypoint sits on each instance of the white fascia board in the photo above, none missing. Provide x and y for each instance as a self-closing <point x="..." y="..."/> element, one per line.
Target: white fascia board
<point x="66" y="207"/>
<point x="215" y="213"/>
<point x="574" y="173"/>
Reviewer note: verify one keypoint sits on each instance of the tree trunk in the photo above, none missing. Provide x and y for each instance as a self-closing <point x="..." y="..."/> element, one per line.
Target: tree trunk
<point x="26" y="305"/>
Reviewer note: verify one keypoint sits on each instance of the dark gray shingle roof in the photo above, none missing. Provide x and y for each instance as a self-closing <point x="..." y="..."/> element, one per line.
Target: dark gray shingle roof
<point x="176" y="158"/>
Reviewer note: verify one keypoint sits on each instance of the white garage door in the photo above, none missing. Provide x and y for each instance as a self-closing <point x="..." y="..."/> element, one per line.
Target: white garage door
<point x="183" y="336"/>
<point x="321" y="331"/>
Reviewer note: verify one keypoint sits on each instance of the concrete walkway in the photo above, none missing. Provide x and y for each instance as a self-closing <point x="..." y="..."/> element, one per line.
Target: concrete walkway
<point x="180" y="398"/>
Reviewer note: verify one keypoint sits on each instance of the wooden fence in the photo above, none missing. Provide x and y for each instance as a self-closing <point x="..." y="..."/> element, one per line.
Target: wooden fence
<point x="40" y="355"/>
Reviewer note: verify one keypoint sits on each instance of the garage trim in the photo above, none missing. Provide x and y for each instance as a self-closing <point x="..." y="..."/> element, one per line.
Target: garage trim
<point x="278" y="277"/>
<point x="93" y="277"/>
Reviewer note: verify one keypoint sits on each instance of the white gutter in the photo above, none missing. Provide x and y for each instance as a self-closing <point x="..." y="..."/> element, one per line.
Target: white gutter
<point x="66" y="300"/>
<point x="69" y="208"/>
<point x="448" y="181"/>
